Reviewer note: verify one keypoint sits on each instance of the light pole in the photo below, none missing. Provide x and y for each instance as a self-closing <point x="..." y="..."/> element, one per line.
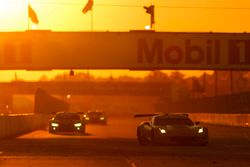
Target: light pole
<point x="151" y="10"/>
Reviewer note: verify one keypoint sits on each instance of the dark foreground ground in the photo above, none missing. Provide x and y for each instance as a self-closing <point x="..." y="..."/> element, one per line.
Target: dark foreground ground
<point x="115" y="145"/>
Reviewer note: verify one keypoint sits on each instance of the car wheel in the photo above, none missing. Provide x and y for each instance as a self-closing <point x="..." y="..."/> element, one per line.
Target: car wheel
<point x="83" y="131"/>
<point x="140" y="138"/>
<point x="51" y="131"/>
<point x="153" y="137"/>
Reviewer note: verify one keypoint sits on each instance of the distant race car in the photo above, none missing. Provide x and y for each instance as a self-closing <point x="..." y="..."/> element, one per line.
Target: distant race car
<point x="67" y="122"/>
<point x="96" y="117"/>
<point x="171" y="128"/>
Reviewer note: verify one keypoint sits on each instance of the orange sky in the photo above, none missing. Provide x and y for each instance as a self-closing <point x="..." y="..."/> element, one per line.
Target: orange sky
<point x="124" y="15"/>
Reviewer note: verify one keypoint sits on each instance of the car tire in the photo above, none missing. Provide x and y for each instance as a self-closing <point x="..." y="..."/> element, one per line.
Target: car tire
<point x="83" y="131"/>
<point x="51" y="131"/>
<point x="141" y="140"/>
<point x="153" y="137"/>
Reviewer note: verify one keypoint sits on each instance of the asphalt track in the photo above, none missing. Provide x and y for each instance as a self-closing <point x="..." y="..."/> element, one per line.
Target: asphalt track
<point x="115" y="145"/>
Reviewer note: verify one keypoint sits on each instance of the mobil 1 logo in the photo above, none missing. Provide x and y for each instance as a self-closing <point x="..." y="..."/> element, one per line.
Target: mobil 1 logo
<point x="239" y="52"/>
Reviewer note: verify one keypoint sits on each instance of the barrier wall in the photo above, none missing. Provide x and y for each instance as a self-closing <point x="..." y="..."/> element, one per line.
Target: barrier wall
<point x="242" y="120"/>
<point x="11" y="125"/>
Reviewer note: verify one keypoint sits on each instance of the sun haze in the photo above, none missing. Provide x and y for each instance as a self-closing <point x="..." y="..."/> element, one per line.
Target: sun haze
<point x="125" y="15"/>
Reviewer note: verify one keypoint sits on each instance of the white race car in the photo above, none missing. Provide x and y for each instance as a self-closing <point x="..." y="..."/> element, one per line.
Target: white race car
<point x="171" y="128"/>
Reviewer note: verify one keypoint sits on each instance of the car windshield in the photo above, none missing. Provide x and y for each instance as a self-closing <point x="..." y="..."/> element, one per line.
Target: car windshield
<point x="172" y="121"/>
<point x="67" y="116"/>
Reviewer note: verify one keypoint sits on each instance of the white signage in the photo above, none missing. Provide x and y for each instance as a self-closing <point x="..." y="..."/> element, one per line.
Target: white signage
<point x="139" y="50"/>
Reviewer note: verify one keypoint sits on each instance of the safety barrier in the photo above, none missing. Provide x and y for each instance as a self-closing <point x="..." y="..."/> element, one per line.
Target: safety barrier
<point x="242" y="120"/>
<point x="12" y="125"/>
<point x="237" y="103"/>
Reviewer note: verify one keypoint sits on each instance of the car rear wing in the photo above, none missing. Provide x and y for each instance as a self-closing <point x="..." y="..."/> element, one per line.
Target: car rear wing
<point x="144" y="115"/>
<point x="167" y="114"/>
<point x="179" y="114"/>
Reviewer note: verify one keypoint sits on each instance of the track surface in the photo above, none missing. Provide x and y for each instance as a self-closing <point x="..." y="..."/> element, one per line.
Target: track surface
<point x="115" y="145"/>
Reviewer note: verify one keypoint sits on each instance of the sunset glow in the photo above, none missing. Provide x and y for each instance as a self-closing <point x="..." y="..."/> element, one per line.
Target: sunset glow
<point x="123" y="15"/>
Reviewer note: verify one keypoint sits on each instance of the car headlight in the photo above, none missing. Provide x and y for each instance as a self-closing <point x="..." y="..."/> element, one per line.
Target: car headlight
<point x="87" y="118"/>
<point x="54" y="124"/>
<point x="162" y="130"/>
<point x="201" y="130"/>
<point x="102" y="118"/>
<point x="78" y="124"/>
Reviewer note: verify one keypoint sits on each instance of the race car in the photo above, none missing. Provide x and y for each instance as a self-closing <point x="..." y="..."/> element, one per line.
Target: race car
<point x="96" y="117"/>
<point x="171" y="129"/>
<point x="67" y="122"/>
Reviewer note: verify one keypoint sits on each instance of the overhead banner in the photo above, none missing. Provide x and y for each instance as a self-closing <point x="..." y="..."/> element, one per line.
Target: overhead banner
<point x="138" y="50"/>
